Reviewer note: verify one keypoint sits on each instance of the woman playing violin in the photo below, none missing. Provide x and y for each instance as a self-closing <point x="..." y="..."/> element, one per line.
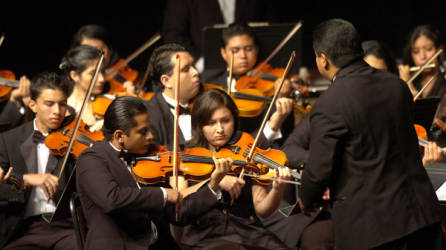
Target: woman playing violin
<point x="98" y="37"/>
<point x="424" y="41"/>
<point x="230" y="223"/>
<point x="78" y="66"/>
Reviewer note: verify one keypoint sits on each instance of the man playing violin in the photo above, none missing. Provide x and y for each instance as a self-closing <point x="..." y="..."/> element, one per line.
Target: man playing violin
<point x="240" y="40"/>
<point x="118" y="209"/>
<point x="35" y="168"/>
<point x="367" y="157"/>
<point x="160" y="107"/>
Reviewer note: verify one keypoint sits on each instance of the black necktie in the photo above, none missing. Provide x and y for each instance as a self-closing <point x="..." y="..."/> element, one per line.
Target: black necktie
<point x="38" y="137"/>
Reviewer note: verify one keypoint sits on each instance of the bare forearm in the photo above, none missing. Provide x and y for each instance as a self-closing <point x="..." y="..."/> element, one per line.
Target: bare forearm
<point x="266" y="203"/>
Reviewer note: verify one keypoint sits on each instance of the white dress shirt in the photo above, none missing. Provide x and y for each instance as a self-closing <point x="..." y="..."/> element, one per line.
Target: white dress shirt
<point x="41" y="204"/>
<point x="184" y="120"/>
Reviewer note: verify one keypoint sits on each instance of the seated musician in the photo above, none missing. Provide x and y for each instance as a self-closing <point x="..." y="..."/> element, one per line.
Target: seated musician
<point x="117" y="209"/>
<point x="163" y="74"/>
<point x="240" y="40"/>
<point x="233" y="221"/>
<point x="36" y="170"/>
<point x="79" y="65"/>
<point x="97" y="36"/>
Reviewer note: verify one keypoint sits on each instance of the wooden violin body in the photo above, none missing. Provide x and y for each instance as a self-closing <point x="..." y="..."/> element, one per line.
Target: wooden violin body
<point x="7" y="83"/>
<point x="57" y="141"/>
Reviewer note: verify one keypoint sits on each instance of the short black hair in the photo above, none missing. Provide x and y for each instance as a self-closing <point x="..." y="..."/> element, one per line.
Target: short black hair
<point x="121" y="115"/>
<point x="47" y="80"/>
<point x="382" y="51"/>
<point x="160" y="62"/>
<point x="237" y="29"/>
<point x="93" y="31"/>
<point x="338" y="40"/>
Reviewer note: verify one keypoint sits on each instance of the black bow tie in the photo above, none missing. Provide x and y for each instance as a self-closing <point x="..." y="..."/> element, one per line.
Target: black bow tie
<point x="183" y="111"/>
<point x="38" y="137"/>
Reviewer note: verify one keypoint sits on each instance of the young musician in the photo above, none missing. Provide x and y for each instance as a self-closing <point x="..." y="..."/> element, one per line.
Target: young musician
<point x="369" y="159"/>
<point x="117" y="208"/>
<point x="79" y="65"/>
<point x="233" y="222"/>
<point x="97" y="36"/>
<point x="164" y="74"/>
<point x="423" y="42"/>
<point x="240" y="40"/>
<point x="37" y="169"/>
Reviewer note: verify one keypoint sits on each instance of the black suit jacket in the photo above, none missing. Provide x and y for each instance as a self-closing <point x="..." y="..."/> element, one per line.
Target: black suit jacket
<point x="15" y="151"/>
<point x="161" y="121"/>
<point x="184" y="20"/>
<point x="116" y="210"/>
<point x="364" y="147"/>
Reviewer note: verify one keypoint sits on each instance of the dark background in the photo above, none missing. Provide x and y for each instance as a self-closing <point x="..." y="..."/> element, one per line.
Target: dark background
<point x="38" y="33"/>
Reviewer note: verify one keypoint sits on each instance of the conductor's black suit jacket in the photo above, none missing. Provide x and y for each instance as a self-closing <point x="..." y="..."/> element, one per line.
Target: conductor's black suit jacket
<point x="363" y="146"/>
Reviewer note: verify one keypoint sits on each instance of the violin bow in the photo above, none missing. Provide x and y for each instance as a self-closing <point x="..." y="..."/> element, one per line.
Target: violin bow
<point x="2" y="38"/>
<point x="231" y="66"/>
<point x="268" y="112"/>
<point x="257" y="71"/>
<point x="49" y="217"/>
<point x="144" y="78"/>
<point x="176" y="128"/>
<point x="132" y="56"/>
<point x="418" y="72"/>
<point x="424" y="87"/>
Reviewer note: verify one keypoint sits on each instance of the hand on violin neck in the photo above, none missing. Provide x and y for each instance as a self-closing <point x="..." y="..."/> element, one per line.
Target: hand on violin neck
<point x="285" y="91"/>
<point x="284" y="106"/>
<point x="432" y="153"/>
<point x="282" y="173"/>
<point x="233" y="185"/>
<point x="222" y="166"/>
<point x="21" y="94"/>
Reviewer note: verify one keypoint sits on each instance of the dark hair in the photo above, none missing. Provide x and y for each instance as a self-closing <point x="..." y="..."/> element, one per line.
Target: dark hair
<point x="427" y="30"/>
<point x="93" y="31"/>
<point x="77" y="59"/>
<point x="160" y="62"/>
<point x="203" y="109"/>
<point x="237" y="29"/>
<point x="47" y="80"/>
<point x="338" y="40"/>
<point x="382" y="51"/>
<point x="121" y="115"/>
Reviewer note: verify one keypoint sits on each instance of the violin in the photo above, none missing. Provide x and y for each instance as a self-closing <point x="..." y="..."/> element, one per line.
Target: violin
<point x="120" y="72"/>
<point x="7" y="83"/>
<point x="196" y="164"/>
<point x="261" y="78"/>
<point x="58" y="140"/>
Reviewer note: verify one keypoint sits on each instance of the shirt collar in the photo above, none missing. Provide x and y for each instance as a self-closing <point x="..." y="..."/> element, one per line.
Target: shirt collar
<point x="172" y="101"/>
<point x="35" y="127"/>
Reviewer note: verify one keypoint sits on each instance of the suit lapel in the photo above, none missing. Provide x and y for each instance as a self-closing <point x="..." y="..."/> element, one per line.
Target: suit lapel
<point x="168" y="120"/>
<point x="29" y="151"/>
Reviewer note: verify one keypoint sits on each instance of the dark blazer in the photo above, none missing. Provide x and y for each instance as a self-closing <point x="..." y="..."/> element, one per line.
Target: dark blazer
<point x="161" y="121"/>
<point x="116" y="210"/>
<point x="10" y="116"/>
<point x="363" y="146"/>
<point x="184" y="20"/>
<point x="15" y="151"/>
